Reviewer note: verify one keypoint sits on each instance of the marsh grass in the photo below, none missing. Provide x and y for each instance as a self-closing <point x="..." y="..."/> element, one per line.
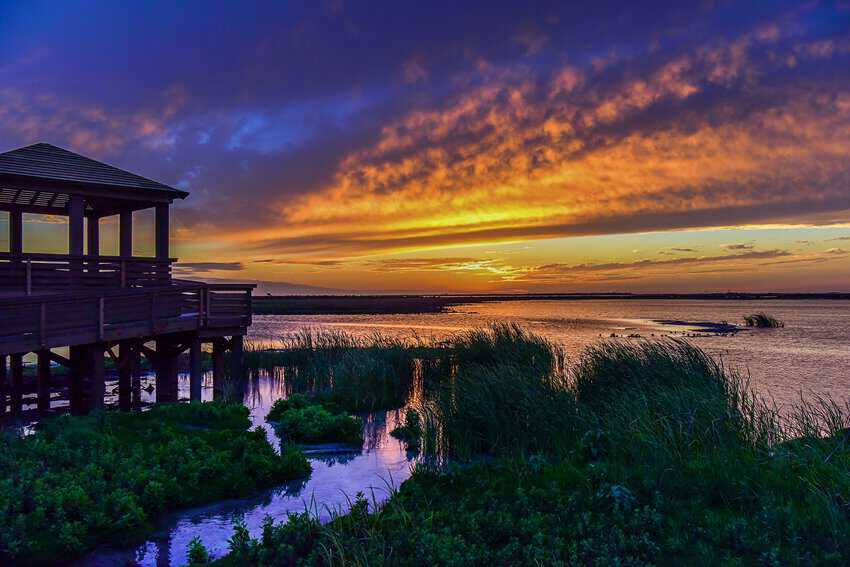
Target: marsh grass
<point x="762" y="320"/>
<point x="361" y="374"/>
<point x="639" y="453"/>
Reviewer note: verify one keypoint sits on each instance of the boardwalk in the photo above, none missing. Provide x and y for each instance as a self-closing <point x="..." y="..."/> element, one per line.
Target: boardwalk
<point x="123" y="307"/>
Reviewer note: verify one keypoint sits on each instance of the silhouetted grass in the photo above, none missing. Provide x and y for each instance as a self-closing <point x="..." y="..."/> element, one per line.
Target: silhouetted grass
<point x="763" y="321"/>
<point x="640" y="453"/>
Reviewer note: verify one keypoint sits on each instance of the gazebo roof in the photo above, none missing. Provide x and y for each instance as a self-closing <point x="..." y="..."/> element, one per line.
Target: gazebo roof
<point x="50" y="164"/>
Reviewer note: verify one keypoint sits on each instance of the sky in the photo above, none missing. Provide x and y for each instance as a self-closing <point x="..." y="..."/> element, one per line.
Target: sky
<point x="443" y="146"/>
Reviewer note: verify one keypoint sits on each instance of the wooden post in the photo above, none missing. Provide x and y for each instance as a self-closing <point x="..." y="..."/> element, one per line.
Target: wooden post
<point x="166" y="371"/>
<point x="16" y="232"/>
<point x="76" y="210"/>
<point x="196" y="375"/>
<point x="236" y="370"/>
<point x="43" y="380"/>
<point x="17" y="369"/>
<point x="128" y="361"/>
<point x="162" y="231"/>
<point x="136" y="376"/>
<point x="93" y="230"/>
<point x="125" y="234"/>
<point x="16" y="240"/>
<point x="77" y="372"/>
<point x="97" y="381"/>
<point x="3" y="384"/>
<point x="218" y="368"/>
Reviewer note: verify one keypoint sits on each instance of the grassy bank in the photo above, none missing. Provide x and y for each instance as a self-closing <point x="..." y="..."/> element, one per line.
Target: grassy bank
<point x="300" y="419"/>
<point x="639" y="453"/>
<point x="82" y="481"/>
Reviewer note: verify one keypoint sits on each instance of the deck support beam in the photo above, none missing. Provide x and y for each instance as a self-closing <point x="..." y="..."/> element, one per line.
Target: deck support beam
<point x="77" y="373"/>
<point x="166" y="370"/>
<point x="236" y="350"/>
<point x="196" y="375"/>
<point x="97" y="380"/>
<point x="43" y="386"/>
<point x="17" y="370"/>
<point x="3" y="384"/>
<point x="218" y="348"/>
<point x="128" y="365"/>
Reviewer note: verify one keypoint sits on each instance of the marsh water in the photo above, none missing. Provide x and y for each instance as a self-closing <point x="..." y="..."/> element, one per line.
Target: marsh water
<point x="810" y="355"/>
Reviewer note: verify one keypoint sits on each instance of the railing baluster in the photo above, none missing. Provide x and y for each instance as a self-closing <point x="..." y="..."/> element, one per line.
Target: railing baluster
<point x="29" y="277"/>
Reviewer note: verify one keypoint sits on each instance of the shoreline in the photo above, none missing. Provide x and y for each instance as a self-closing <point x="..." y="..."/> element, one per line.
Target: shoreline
<point x="424" y="303"/>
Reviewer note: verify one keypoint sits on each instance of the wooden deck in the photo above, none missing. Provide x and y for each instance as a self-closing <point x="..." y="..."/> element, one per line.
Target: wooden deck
<point x="85" y="315"/>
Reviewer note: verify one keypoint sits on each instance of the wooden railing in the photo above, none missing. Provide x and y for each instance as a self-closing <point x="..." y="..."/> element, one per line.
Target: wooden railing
<point x="37" y="322"/>
<point x="36" y="273"/>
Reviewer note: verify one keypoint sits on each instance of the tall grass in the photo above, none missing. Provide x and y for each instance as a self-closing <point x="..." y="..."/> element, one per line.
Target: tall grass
<point x="360" y="374"/>
<point x="641" y="452"/>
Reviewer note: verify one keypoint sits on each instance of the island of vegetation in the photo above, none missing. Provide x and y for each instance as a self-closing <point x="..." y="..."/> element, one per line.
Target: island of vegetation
<point x="639" y="453"/>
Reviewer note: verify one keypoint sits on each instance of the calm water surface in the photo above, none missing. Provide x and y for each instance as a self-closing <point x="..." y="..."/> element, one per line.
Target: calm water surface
<point x="811" y="354"/>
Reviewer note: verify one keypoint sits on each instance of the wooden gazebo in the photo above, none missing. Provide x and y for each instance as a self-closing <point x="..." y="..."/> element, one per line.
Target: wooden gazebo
<point x="94" y="303"/>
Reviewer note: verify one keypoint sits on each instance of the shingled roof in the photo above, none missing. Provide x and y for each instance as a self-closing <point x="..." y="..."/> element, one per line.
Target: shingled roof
<point x="50" y="163"/>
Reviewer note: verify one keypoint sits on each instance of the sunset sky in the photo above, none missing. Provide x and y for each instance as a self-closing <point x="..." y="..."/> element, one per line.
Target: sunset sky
<point x="457" y="146"/>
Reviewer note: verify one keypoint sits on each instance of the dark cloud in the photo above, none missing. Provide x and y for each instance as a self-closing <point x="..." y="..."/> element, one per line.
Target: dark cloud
<point x="738" y="246"/>
<point x="255" y="108"/>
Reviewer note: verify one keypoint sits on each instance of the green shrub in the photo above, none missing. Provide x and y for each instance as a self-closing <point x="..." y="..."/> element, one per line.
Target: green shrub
<point x="198" y="553"/>
<point x="81" y="481"/>
<point x="410" y="432"/>
<point x="300" y="419"/>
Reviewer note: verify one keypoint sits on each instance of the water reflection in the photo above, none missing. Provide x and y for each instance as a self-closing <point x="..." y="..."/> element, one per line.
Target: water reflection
<point x="338" y="475"/>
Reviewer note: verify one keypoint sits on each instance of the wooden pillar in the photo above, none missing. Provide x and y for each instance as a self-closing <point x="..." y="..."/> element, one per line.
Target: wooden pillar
<point x="162" y="231"/>
<point x="3" y="384"/>
<point x="218" y="368"/>
<point x="166" y="371"/>
<point x="76" y="208"/>
<point x="16" y="362"/>
<point x="128" y="370"/>
<point x="125" y="233"/>
<point x="97" y="378"/>
<point x="236" y="370"/>
<point x="16" y="232"/>
<point x="77" y="374"/>
<point x="136" y="376"/>
<point x="93" y="235"/>
<point x="196" y="375"/>
<point x="43" y="386"/>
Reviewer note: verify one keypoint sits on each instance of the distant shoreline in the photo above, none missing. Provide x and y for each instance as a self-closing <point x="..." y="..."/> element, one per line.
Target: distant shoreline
<point x="424" y="303"/>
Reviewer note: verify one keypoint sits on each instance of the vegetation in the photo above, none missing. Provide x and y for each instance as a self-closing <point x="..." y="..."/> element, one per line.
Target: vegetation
<point x="359" y="374"/>
<point x="763" y="321"/>
<point x="410" y="432"/>
<point x="198" y="553"/>
<point x="81" y="481"/>
<point x="301" y="420"/>
<point x="641" y="453"/>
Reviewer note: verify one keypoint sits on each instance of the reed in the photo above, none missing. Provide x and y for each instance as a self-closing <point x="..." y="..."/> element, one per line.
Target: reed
<point x="640" y="453"/>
